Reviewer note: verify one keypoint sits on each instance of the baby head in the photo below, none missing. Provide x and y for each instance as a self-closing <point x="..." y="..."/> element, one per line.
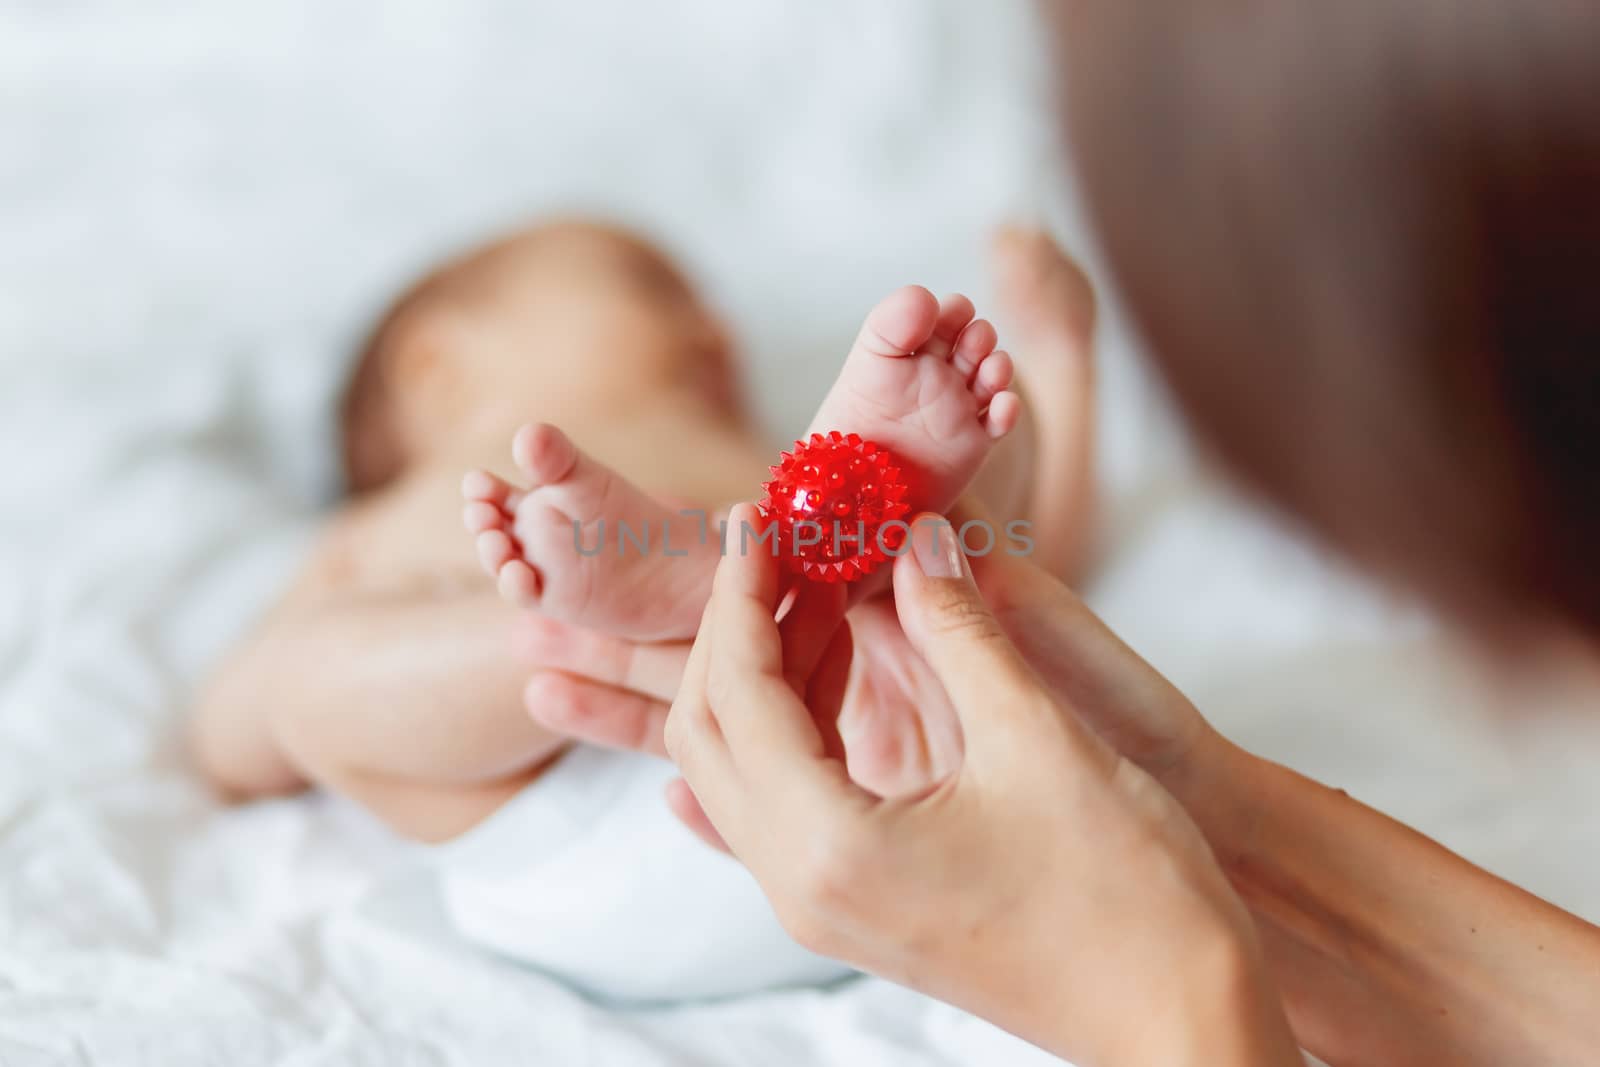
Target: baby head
<point x="547" y="323"/>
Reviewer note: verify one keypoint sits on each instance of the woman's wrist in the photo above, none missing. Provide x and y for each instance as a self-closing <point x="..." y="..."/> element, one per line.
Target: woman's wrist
<point x="1212" y="998"/>
<point x="1212" y="1002"/>
<point x="1235" y="1014"/>
<point x="1214" y="781"/>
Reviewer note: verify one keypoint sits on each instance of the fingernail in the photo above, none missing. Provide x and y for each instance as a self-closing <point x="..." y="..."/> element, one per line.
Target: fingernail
<point x="938" y="552"/>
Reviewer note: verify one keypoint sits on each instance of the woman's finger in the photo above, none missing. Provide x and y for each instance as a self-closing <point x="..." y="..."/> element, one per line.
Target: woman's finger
<point x="768" y="729"/>
<point x="684" y="804"/>
<point x="689" y="720"/>
<point x="755" y="705"/>
<point x="600" y="714"/>
<point x="809" y="628"/>
<point x="744" y="599"/>
<point x="651" y="669"/>
<point x="945" y="617"/>
<point x="825" y="691"/>
<point x="947" y="621"/>
<point x="1089" y="668"/>
<point x="695" y="742"/>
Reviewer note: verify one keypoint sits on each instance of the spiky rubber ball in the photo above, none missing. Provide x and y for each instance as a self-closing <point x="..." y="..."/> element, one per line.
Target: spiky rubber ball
<point x="835" y="501"/>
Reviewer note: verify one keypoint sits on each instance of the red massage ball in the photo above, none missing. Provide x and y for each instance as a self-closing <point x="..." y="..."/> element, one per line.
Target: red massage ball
<point x="837" y="503"/>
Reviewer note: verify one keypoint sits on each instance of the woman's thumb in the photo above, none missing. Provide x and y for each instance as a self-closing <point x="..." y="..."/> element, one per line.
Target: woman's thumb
<point x="948" y="623"/>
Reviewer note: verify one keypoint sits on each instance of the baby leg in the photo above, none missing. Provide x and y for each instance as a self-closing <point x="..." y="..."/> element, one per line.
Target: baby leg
<point x="1050" y="305"/>
<point x="388" y="672"/>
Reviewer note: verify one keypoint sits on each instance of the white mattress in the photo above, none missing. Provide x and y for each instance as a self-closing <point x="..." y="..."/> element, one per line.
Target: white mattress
<point x="202" y="204"/>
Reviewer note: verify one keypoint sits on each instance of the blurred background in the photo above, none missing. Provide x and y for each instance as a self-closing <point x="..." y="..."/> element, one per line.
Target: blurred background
<point x="204" y="206"/>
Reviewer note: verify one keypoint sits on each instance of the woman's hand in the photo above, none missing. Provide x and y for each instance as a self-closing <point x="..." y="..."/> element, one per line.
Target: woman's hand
<point x="897" y="723"/>
<point x="897" y="726"/>
<point x="1048" y="884"/>
<point x="1375" y="933"/>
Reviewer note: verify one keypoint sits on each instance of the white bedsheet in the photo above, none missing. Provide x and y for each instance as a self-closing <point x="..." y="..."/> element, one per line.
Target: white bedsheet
<point x="200" y="206"/>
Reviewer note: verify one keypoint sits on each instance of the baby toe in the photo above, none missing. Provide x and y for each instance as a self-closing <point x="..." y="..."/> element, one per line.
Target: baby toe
<point x="519" y="583"/>
<point x="480" y="516"/>
<point x="481" y="485"/>
<point x="974" y="346"/>
<point x="955" y="311"/>
<point x="1005" y="411"/>
<point x="543" y="453"/>
<point x="900" y="324"/>
<point x="495" y="549"/>
<point x="994" y="374"/>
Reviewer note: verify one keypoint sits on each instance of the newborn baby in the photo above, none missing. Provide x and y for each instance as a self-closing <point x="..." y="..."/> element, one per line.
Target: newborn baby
<point x="569" y="860"/>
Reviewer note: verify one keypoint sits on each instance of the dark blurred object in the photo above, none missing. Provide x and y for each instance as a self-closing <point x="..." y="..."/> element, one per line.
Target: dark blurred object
<point x="1363" y="240"/>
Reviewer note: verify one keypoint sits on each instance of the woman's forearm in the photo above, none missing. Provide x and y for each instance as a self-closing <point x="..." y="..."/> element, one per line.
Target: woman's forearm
<point x="1388" y="947"/>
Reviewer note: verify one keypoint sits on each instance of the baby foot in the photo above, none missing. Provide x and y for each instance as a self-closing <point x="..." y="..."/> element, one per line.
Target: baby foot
<point x="925" y="381"/>
<point x="584" y="545"/>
